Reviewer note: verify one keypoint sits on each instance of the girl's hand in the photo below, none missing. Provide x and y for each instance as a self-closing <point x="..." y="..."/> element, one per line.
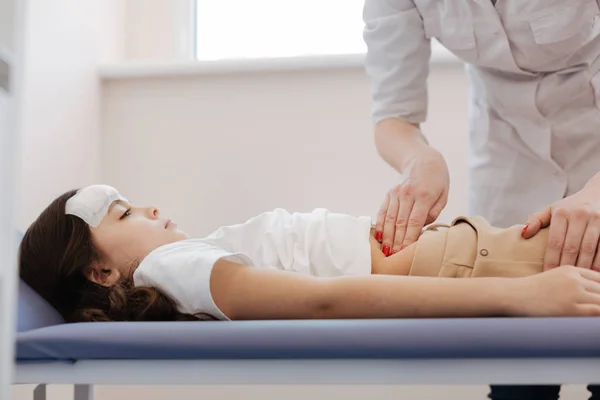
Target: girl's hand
<point x="562" y="291"/>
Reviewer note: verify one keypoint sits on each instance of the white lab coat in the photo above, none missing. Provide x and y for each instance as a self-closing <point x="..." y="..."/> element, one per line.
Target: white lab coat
<point x="533" y="67"/>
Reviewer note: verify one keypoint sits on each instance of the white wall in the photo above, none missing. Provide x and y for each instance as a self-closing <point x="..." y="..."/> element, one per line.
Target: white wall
<point x="65" y="42"/>
<point x="159" y="29"/>
<point x="218" y="149"/>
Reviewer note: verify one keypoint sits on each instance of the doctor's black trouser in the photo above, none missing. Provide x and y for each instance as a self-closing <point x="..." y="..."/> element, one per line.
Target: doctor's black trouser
<point x="534" y="392"/>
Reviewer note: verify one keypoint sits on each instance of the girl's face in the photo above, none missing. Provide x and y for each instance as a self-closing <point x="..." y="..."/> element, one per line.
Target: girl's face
<point x="125" y="236"/>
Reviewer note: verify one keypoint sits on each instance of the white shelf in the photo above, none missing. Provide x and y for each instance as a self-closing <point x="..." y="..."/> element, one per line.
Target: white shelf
<point x="150" y="69"/>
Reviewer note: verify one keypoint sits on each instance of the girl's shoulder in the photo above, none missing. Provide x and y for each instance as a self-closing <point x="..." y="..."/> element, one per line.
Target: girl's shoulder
<point x="188" y="254"/>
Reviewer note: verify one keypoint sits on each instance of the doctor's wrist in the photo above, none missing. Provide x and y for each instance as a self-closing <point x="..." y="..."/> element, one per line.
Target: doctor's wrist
<point x="402" y="130"/>
<point x="399" y="142"/>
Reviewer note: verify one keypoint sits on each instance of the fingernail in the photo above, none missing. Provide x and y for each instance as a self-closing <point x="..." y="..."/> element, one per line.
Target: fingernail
<point x="386" y="250"/>
<point x="524" y="230"/>
<point x="403" y="247"/>
<point x="393" y="252"/>
<point x="379" y="236"/>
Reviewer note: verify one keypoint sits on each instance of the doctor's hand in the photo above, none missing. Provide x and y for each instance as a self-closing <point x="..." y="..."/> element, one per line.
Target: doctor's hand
<point x="574" y="230"/>
<point x="416" y="202"/>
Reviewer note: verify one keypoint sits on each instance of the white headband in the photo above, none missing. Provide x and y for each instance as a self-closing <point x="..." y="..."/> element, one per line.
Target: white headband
<point x="91" y="203"/>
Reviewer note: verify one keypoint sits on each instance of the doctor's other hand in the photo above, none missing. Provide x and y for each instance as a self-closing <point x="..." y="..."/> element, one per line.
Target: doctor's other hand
<point x="574" y="230"/>
<point x="416" y="202"/>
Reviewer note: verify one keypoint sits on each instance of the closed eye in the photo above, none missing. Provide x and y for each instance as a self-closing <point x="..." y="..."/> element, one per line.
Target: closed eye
<point x="126" y="214"/>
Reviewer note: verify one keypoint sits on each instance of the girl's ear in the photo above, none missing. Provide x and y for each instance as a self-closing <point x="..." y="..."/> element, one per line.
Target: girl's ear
<point x="103" y="275"/>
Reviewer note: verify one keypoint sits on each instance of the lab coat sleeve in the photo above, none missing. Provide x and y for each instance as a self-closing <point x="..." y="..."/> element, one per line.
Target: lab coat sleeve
<point x="397" y="60"/>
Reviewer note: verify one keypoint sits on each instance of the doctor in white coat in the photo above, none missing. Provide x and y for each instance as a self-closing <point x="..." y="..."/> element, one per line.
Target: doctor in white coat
<point x="534" y="129"/>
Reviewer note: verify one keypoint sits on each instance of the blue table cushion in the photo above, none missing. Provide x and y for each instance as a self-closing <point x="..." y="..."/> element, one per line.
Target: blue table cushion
<point x="382" y="339"/>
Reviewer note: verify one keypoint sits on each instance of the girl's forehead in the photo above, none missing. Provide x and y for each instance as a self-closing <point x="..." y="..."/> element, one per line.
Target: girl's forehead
<point x="93" y="203"/>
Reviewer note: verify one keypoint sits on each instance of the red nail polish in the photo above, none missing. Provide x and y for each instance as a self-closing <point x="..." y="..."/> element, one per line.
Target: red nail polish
<point x="386" y="250"/>
<point x="524" y="230"/>
<point x="379" y="236"/>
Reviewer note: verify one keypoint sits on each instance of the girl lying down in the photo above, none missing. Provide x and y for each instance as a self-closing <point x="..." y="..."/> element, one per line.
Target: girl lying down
<point x="96" y="257"/>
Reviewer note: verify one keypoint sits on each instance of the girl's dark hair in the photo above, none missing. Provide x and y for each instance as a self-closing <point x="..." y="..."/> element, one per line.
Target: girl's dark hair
<point x="54" y="256"/>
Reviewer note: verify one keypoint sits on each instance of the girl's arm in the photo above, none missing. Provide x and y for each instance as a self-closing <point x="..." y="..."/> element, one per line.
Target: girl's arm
<point x="243" y="292"/>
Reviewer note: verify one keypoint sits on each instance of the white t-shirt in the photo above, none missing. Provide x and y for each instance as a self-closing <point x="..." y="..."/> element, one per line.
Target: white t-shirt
<point x="319" y="243"/>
